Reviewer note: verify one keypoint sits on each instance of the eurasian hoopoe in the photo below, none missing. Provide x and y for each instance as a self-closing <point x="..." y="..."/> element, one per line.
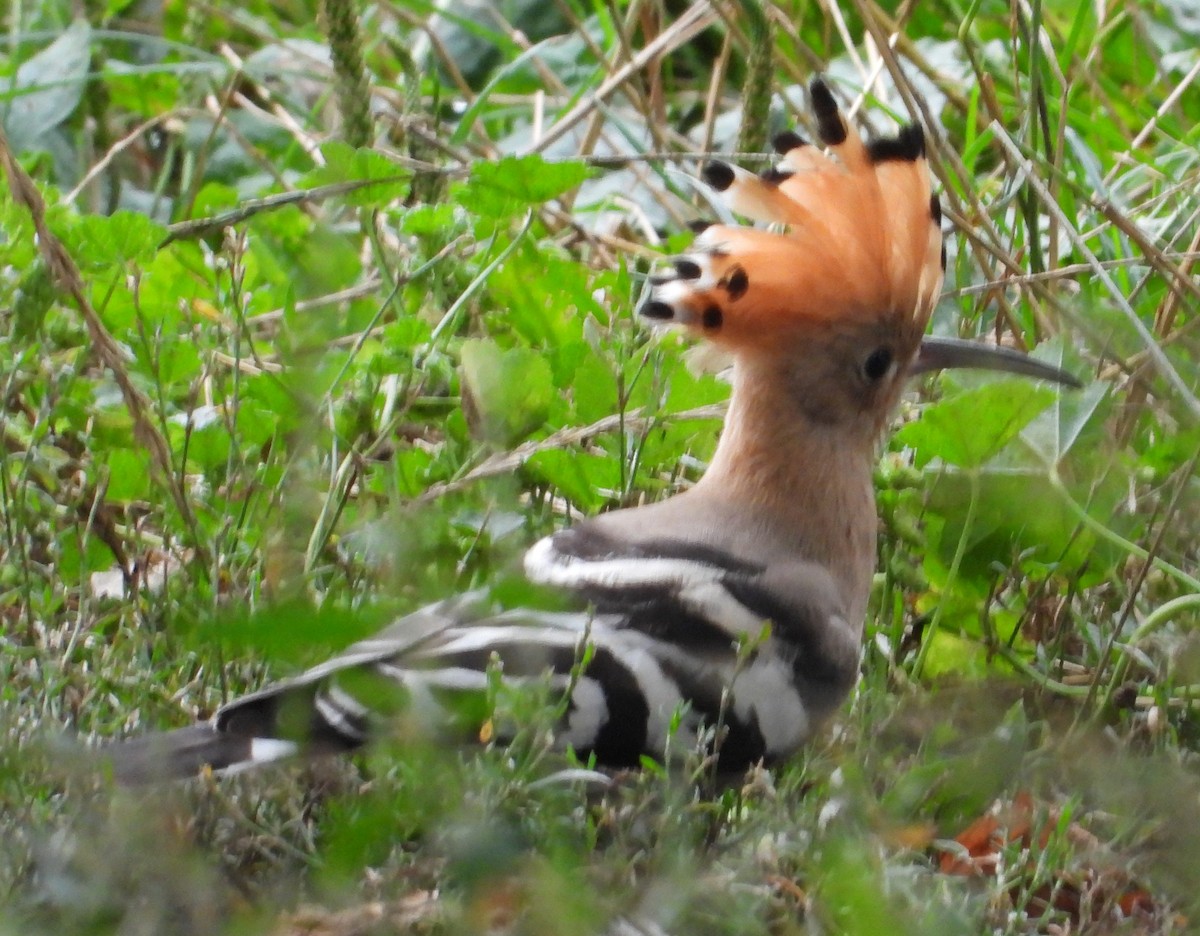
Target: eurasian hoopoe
<point x="741" y="600"/>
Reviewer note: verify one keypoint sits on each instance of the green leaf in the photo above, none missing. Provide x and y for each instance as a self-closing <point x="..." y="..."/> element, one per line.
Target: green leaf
<point x="410" y="472"/>
<point x="33" y="299"/>
<point x="1056" y="431"/>
<point x="48" y="87"/>
<point x="214" y="198"/>
<point x="427" y="220"/>
<point x="99" y="242"/>
<point x="178" y="363"/>
<point x="579" y="477"/>
<point x="510" y="186"/>
<point x="343" y="163"/>
<point x="128" y="475"/>
<point x="595" y="389"/>
<point x="969" y="429"/>
<point x="952" y="655"/>
<point x="208" y="442"/>
<point x="1016" y="513"/>
<point x="542" y="296"/>
<point x="76" y="560"/>
<point x="507" y="394"/>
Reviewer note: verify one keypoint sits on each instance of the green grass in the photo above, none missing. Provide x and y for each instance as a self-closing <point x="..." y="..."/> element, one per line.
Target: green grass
<point x="374" y="377"/>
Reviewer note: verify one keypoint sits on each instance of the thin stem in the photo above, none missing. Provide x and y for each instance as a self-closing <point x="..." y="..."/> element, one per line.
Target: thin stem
<point x="1025" y="668"/>
<point x="959" y="552"/>
<point x="1115" y="538"/>
<point x="1162" y="614"/>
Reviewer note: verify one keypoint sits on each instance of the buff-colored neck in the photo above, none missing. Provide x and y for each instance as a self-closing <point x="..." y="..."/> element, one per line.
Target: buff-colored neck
<point x="811" y="477"/>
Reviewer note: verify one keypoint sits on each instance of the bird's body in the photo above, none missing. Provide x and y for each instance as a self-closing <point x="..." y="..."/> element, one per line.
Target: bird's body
<point x="740" y="602"/>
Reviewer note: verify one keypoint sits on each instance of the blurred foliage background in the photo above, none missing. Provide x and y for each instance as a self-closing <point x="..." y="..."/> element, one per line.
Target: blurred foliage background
<point x="343" y="322"/>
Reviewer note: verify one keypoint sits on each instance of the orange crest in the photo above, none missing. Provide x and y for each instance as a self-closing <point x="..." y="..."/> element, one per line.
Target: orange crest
<point x="863" y="240"/>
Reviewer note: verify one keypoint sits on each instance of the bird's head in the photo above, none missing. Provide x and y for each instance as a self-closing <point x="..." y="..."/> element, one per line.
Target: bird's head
<point x="834" y="304"/>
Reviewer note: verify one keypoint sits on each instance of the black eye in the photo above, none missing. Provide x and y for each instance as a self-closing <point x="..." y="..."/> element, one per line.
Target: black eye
<point x="877" y="364"/>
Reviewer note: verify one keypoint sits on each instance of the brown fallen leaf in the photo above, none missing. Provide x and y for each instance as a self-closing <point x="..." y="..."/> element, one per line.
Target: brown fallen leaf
<point x="986" y="837"/>
<point x="1097" y="889"/>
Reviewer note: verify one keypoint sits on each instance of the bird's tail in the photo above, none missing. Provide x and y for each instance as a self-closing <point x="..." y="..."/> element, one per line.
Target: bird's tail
<point x="305" y="714"/>
<point x="175" y="755"/>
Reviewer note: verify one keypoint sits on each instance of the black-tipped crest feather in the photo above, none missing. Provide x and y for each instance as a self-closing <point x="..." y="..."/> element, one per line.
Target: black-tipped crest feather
<point x="830" y="125"/>
<point x="908" y="144"/>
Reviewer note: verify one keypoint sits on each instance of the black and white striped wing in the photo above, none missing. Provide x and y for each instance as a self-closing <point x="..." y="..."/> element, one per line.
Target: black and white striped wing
<point x="673" y="635"/>
<point x="677" y="639"/>
<point x="765" y="650"/>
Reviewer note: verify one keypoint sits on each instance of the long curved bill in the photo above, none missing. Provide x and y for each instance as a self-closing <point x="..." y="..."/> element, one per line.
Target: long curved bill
<point x="944" y="353"/>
